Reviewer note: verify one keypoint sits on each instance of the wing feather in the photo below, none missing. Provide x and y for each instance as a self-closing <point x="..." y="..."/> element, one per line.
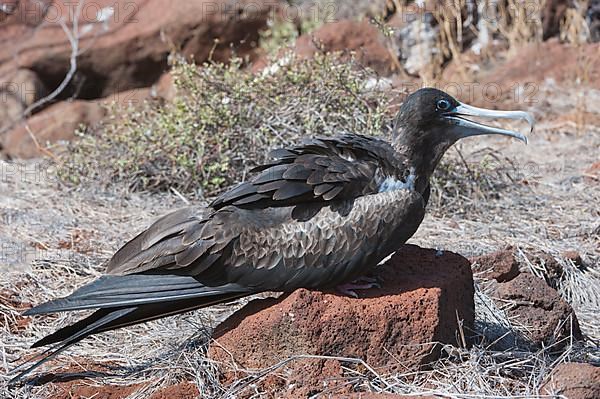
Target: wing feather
<point x="319" y="171"/>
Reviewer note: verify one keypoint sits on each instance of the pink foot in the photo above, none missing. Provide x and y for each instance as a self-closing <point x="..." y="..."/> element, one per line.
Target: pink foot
<point x="366" y="279"/>
<point x="363" y="283"/>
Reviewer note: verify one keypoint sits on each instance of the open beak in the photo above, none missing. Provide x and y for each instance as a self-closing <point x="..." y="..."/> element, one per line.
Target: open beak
<point x="466" y="127"/>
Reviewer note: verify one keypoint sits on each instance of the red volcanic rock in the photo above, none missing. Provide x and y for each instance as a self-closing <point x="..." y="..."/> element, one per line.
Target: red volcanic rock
<point x="573" y="256"/>
<point x="393" y="328"/>
<point x="60" y="121"/>
<point x="371" y="395"/>
<point x="500" y="265"/>
<point x="24" y="85"/>
<point x="124" y="45"/>
<point x="55" y="123"/>
<point x="592" y="174"/>
<point x="183" y="390"/>
<point x="553" y="270"/>
<point x="18" y="90"/>
<point x="544" y="316"/>
<point x="573" y="381"/>
<point x="360" y="37"/>
<point x="537" y="62"/>
<point x="529" y="68"/>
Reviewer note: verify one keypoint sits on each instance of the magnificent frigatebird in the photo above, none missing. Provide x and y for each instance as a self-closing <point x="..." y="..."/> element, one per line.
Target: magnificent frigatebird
<point x="320" y="215"/>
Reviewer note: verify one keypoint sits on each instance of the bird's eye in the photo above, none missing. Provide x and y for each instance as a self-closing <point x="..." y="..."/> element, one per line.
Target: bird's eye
<point x="443" y="105"/>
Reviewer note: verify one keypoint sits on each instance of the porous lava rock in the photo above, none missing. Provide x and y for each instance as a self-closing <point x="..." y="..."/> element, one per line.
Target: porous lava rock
<point x="424" y="298"/>
<point x="573" y="381"/>
<point x="56" y="123"/>
<point x="500" y="265"/>
<point x="539" y="311"/>
<point x="126" y="43"/>
<point x="361" y="38"/>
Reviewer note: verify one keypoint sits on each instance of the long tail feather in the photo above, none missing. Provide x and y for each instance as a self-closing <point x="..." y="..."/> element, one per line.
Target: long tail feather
<point x="125" y="301"/>
<point x="136" y="289"/>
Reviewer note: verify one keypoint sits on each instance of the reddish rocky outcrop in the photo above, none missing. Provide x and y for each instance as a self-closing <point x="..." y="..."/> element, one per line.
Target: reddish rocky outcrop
<point x="537" y="62"/>
<point x="60" y="121"/>
<point x="55" y="123"/>
<point x="530" y="68"/>
<point x="573" y="381"/>
<point x="358" y="37"/>
<point x="122" y="46"/>
<point x="126" y="43"/>
<point x="24" y="85"/>
<point x="393" y="328"/>
<point x="18" y="90"/>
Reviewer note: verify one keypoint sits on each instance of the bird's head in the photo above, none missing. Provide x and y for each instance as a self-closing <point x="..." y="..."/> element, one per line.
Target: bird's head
<point x="430" y="121"/>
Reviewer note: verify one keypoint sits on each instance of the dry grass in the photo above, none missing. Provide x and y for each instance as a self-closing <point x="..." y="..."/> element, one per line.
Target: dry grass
<point x="574" y="28"/>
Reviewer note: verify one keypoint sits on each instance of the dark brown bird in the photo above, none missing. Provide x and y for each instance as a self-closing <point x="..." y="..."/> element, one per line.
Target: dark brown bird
<point x="320" y="215"/>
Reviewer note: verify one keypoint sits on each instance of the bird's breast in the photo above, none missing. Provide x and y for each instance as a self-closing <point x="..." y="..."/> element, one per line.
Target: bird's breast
<point x="333" y="244"/>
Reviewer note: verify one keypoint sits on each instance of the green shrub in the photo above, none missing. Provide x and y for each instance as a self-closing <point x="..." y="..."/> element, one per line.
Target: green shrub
<point x="222" y="122"/>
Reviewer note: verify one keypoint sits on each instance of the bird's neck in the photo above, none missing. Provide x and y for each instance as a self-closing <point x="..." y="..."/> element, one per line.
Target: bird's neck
<point x="421" y="156"/>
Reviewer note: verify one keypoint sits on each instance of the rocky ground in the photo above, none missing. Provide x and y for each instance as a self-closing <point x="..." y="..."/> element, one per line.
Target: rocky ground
<point x="497" y="295"/>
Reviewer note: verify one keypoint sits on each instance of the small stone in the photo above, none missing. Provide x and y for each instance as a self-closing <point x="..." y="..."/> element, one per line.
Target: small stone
<point x="539" y="311"/>
<point x="501" y="266"/>
<point x="573" y="256"/>
<point x="573" y="381"/>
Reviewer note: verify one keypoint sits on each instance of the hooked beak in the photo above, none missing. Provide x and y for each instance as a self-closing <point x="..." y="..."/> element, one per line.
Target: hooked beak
<point x="467" y="127"/>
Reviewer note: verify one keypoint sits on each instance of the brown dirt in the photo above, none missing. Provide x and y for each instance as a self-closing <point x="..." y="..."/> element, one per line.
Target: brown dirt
<point x="80" y="390"/>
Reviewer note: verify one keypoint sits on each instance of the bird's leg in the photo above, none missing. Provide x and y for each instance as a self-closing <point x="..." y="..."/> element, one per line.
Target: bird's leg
<point x="361" y="283"/>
